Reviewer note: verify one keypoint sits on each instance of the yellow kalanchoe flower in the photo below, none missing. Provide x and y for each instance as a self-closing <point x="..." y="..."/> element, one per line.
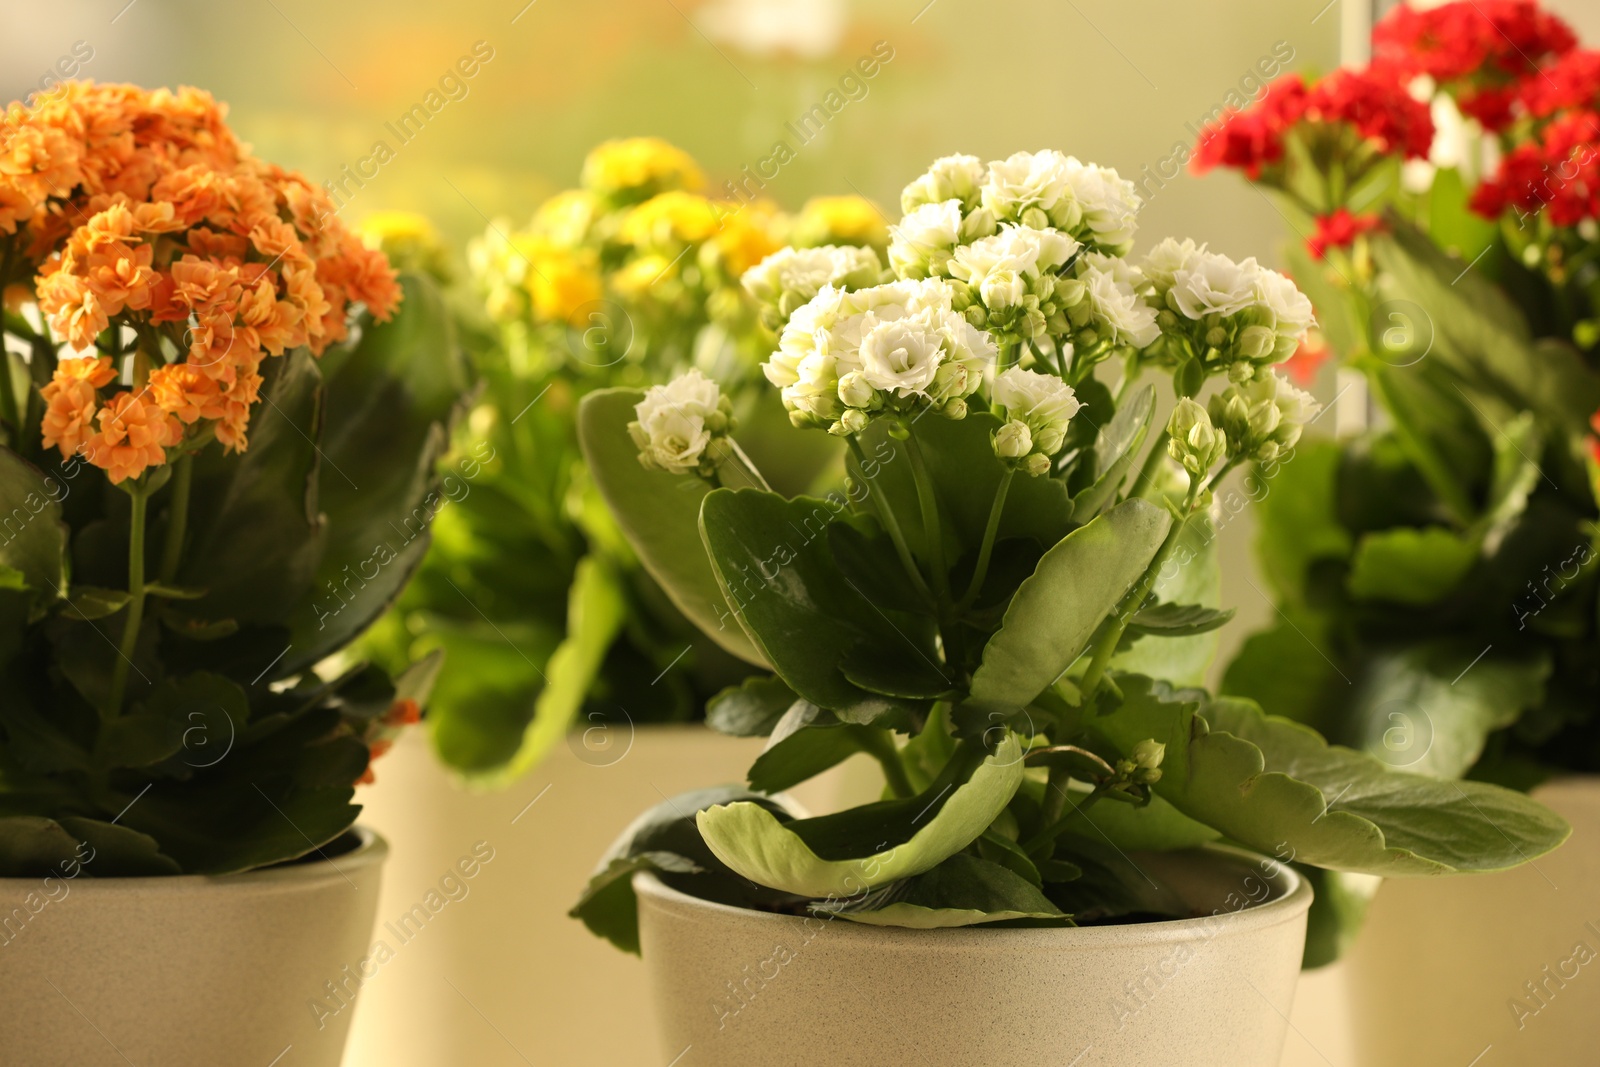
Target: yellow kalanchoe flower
<point x="840" y="220"/>
<point x="669" y="219"/>
<point x="409" y="239"/>
<point x="565" y="218"/>
<point x="640" y="166"/>
<point x="748" y="235"/>
<point x="559" y="280"/>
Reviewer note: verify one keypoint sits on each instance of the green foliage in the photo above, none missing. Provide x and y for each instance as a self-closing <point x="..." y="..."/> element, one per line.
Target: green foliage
<point x="226" y="750"/>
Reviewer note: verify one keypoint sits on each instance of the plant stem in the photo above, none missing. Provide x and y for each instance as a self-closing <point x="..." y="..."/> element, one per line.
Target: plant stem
<point x="1106" y="645"/>
<point x="929" y="505"/>
<point x="177" y="518"/>
<point x="986" y="549"/>
<point x="138" y="498"/>
<point x="1152" y="463"/>
<point x="1052" y="829"/>
<point x="890" y="523"/>
<point x="1002" y="361"/>
<point x="880" y="746"/>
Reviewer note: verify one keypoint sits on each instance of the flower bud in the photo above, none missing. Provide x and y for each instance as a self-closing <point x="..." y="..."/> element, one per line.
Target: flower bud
<point x="1069" y="291"/>
<point x="1257" y="342"/>
<point x="954" y="410"/>
<point x="1216" y="337"/>
<point x="854" y="390"/>
<point x="1013" y="440"/>
<point x="1241" y="371"/>
<point x="854" y="420"/>
<point x="1035" y="218"/>
<point x="1049" y="442"/>
<point x="977" y="316"/>
<point x="1195" y="442"/>
<point x="1149" y="753"/>
<point x="1036" y="465"/>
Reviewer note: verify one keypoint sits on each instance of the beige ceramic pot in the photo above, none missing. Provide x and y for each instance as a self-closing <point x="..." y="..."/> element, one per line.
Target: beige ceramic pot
<point x="256" y="968"/>
<point x="500" y="976"/>
<point x="734" y="987"/>
<point x="1488" y="969"/>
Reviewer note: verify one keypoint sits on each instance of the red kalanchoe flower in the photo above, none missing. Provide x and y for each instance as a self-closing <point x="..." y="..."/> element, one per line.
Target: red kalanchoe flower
<point x="1339" y="230"/>
<point x="1572" y="82"/>
<point x="1560" y="173"/>
<point x="1252" y="139"/>
<point x="1378" y="106"/>
<point x="1313" y="352"/>
<point x="1470" y="39"/>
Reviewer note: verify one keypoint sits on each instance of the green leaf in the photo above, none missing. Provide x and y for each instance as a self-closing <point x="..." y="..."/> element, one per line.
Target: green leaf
<point x="1429" y="708"/>
<point x="961" y="891"/>
<point x="1338" y="910"/>
<point x="666" y="840"/>
<point x="1156" y="827"/>
<point x="389" y="403"/>
<point x="1272" y="784"/>
<point x="32" y="846"/>
<point x="173" y="592"/>
<point x="596" y="613"/>
<point x="1054" y="613"/>
<point x="771" y="558"/>
<point x="87" y="602"/>
<point x="33" y="537"/>
<point x="1285" y="670"/>
<point x="1299" y="523"/>
<point x="918" y="834"/>
<point x="1517" y="449"/>
<point x="1482" y="335"/>
<point x="1177" y="620"/>
<point x="116" y="851"/>
<point x="750" y="709"/>
<point x="806" y="742"/>
<point x="1192" y="576"/>
<point x="1410" y="566"/>
<point x="660" y="513"/>
<point x="1435" y="427"/>
<point x="1116" y="446"/>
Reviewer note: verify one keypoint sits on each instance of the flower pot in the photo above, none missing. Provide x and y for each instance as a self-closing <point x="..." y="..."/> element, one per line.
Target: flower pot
<point x="1448" y="969"/>
<point x="735" y="986"/>
<point x="501" y="968"/>
<point x="189" y="969"/>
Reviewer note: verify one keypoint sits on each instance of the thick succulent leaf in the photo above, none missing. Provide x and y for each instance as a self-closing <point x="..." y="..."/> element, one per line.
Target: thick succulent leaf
<point x="1410" y="566"/>
<point x="660" y="514"/>
<point x="1299" y="524"/>
<point x="32" y="846"/>
<point x="596" y="613"/>
<point x="1192" y="579"/>
<point x="961" y="891"/>
<point x="806" y="742"/>
<point x="1116" y="446"/>
<point x="1269" y="783"/>
<point x="750" y="709"/>
<point x="918" y="834"/>
<point x="1429" y="708"/>
<point x="1435" y="426"/>
<point x="1156" y="827"/>
<point x="116" y="851"/>
<point x="1285" y="670"/>
<point x="1482" y="335"/>
<point x="34" y="545"/>
<point x="771" y="558"/>
<point x="389" y="403"/>
<point x="1054" y="613"/>
<point x="482" y="705"/>
<point x="664" y="839"/>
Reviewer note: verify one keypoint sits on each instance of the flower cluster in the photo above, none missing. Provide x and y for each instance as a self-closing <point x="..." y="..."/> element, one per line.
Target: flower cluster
<point x="1360" y="112"/>
<point x="1037" y="409"/>
<point x="676" y="424"/>
<point x="138" y="212"/>
<point x="1261" y="417"/>
<point x="790" y="277"/>
<point x="846" y="356"/>
<point x="1237" y="316"/>
<point x="1019" y="236"/>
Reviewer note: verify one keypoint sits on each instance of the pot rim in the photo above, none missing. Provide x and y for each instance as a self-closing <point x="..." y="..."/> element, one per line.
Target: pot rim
<point x="1290" y="904"/>
<point x="371" y="850"/>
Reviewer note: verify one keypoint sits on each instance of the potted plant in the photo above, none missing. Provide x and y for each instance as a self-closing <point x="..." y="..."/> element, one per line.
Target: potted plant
<point x="1435" y="575"/>
<point x="572" y="670"/>
<point x="215" y="402"/>
<point x="1003" y="607"/>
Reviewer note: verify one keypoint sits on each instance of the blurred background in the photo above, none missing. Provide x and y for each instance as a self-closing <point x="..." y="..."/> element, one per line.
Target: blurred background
<point x="326" y="88"/>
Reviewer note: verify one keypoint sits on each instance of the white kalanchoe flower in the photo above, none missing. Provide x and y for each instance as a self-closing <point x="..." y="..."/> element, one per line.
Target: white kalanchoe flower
<point x="923" y="241"/>
<point x="1041" y="405"/>
<point x="950" y="178"/>
<point x="1031" y="182"/>
<point x="1213" y="284"/>
<point x="792" y="276"/>
<point x="1291" y="311"/>
<point x="1192" y="440"/>
<point x="1163" y="262"/>
<point x="891" y="347"/>
<point x="1109" y="203"/>
<point x="1003" y="269"/>
<point x="676" y="423"/>
<point x="1113" y="308"/>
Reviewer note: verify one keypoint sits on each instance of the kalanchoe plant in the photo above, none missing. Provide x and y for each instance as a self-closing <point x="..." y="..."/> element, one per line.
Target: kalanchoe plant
<point x="1002" y="603"/>
<point x="1435" y="576"/>
<point x="630" y="279"/>
<point x="220" y="413"/>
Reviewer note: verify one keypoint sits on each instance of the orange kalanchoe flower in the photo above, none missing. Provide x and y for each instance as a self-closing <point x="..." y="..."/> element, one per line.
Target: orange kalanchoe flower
<point x="134" y="435"/>
<point x="138" y="208"/>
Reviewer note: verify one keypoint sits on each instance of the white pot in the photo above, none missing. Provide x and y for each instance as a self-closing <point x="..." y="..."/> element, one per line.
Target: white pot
<point x="738" y="987"/>
<point x="187" y="970"/>
<point x="500" y="976"/>
<point x="1488" y="969"/>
